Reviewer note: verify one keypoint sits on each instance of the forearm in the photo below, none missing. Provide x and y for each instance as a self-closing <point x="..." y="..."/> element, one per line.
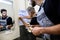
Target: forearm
<point x="27" y="17"/>
<point x="24" y="23"/>
<point x="10" y="25"/>
<point x="55" y="30"/>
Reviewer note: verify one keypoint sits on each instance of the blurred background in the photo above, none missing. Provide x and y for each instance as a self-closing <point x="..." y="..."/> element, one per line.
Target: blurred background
<point x="13" y="7"/>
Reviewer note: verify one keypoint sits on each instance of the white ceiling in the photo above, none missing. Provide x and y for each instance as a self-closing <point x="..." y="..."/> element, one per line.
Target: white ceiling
<point x="9" y="0"/>
<point x="6" y="1"/>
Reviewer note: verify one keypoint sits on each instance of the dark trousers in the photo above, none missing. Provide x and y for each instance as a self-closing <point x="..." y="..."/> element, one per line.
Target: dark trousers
<point x="25" y="35"/>
<point x="55" y="37"/>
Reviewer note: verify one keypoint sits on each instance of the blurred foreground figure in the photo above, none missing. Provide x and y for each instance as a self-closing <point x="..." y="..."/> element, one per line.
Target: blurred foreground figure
<point x="48" y="18"/>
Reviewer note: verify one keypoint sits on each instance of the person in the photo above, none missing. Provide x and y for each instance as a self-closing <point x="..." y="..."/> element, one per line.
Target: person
<point x="48" y="18"/>
<point x="5" y="21"/>
<point x="23" y="31"/>
<point x="31" y="13"/>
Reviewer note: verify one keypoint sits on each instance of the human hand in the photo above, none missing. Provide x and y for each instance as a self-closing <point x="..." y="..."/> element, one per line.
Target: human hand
<point x="9" y="26"/>
<point x="20" y="18"/>
<point x="1" y="26"/>
<point x="37" y="31"/>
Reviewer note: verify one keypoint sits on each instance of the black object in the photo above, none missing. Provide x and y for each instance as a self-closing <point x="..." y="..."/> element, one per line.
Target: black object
<point x="52" y="11"/>
<point x="25" y="35"/>
<point x="34" y="21"/>
<point x="33" y="3"/>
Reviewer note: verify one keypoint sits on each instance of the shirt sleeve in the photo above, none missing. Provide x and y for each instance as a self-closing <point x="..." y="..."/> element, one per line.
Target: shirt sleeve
<point x="9" y="21"/>
<point x="34" y="21"/>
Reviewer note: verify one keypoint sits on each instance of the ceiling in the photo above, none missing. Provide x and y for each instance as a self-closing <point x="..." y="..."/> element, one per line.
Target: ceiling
<point x="7" y="1"/>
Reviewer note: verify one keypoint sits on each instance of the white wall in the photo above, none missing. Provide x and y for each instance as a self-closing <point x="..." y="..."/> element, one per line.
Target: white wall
<point x="20" y="4"/>
<point x="9" y="9"/>
<point x="28" y="3"/>
<point x="17" y="5"/>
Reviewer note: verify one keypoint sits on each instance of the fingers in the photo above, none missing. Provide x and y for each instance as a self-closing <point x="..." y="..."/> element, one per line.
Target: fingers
<point x="38" y="30"/>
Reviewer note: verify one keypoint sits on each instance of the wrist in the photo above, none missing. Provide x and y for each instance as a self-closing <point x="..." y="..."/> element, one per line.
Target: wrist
<point x="42" y="30"/>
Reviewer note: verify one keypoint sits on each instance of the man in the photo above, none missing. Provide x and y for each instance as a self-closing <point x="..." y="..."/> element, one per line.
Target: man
<point x="5" y="21"/>
<point x="49" y="19"/>
<point x="26" y="19"/>
<point x="33" y="23"/>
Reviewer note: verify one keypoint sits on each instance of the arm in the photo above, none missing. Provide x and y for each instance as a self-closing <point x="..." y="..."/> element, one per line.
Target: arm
<point x="23" y="22"/>
<point x="52" y="30"/>
<point x="9" y="22"/>
<point x="28" y="17"/>
<point x="28" y="26"/>
<point x="55" y="30"/>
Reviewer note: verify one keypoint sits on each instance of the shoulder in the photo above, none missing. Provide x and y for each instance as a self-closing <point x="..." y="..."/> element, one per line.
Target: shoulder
<point x="9" y="18"/>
